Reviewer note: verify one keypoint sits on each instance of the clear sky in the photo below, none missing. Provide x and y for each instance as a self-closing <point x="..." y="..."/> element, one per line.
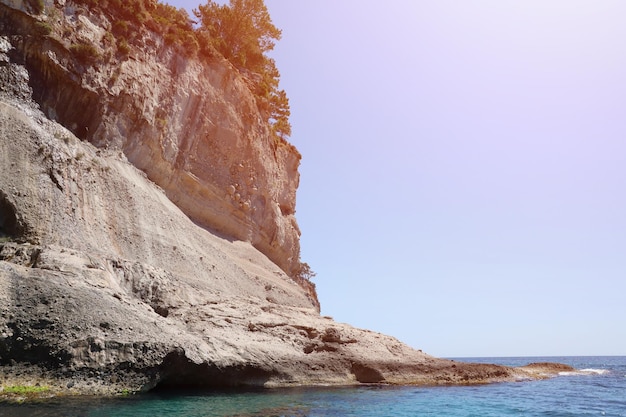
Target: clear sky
<point x="463" y="182"/>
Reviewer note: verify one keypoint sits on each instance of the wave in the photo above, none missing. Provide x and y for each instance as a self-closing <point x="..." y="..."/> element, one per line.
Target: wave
<point x="587" y="371"/>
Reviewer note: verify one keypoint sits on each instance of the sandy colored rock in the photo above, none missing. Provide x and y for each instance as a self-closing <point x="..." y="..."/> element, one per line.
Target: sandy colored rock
<point x="192" y="126"/>
<point x="126" y="259"/>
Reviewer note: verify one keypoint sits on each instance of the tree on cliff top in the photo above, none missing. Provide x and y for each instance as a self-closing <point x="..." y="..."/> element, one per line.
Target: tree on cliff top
<point x="243" y="33"/>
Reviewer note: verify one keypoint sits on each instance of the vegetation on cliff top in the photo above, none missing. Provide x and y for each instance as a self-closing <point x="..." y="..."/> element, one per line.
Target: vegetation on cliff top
<point x="241" y="31"/>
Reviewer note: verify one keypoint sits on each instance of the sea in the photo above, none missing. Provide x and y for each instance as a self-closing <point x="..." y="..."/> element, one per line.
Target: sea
<point x="598" y="388"/>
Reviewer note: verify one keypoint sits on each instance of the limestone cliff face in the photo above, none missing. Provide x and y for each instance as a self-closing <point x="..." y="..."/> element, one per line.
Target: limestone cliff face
<point x="107" y="283"/>
<point x="191" y="125"/>
<point x="106" y="286"/>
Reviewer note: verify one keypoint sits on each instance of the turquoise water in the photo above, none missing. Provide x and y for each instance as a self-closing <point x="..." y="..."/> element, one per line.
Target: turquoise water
<point x="598" y="391"/>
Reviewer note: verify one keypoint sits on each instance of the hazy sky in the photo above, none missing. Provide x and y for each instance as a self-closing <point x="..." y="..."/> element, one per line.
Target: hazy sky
<point x="463" y="182"/>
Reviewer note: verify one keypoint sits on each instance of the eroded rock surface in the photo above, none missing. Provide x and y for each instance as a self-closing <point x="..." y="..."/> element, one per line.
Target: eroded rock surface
<point x="107" y="282"/>
<point x="191" y="125"/>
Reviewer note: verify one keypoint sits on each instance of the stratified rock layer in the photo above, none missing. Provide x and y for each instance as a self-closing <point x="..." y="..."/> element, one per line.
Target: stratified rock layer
<point x="107" y="283"/>
<point x="103" y="275"/>
<point x="191" y="125"/>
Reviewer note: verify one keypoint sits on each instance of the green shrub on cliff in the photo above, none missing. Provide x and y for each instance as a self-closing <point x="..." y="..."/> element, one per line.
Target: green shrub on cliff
<point x="241" y="31"/>
<point x="37" y="6"/>
<point x="303" y="277"/>
<point x="123" y="47"/>
<point x="43" y="28"/>
<point x="305" y="272"/>
<point x="85" y="52"/>
<point x="173" y="24"/>
<point x="176" y="27"/>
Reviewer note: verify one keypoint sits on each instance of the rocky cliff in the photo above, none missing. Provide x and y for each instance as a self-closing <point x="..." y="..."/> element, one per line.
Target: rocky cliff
<point x="191" y="125"/>
<point x="147" y="231"/>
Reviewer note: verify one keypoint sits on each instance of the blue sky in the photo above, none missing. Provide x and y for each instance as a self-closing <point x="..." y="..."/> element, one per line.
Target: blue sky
<point x="464" y="169"/>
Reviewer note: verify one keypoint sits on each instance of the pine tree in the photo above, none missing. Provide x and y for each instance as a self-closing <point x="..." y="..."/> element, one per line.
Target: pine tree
<point x="243" y="33"/>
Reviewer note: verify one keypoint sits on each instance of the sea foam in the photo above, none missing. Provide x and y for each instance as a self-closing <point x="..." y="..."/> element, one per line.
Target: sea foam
<point x="587" y="371"/>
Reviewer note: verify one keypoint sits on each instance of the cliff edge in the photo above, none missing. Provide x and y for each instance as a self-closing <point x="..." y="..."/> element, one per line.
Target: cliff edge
<point x="147" y="230"/>
<point x="190" y="123"/>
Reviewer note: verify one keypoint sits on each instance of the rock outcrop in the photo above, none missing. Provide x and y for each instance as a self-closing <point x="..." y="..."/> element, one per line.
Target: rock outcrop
<point x="191" y="125"/>
<point x="108" y="281"/>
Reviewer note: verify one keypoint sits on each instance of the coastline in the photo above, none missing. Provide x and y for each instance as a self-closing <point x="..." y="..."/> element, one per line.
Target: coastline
<point x="20" y="383"/>
<point x="596" y="388"/>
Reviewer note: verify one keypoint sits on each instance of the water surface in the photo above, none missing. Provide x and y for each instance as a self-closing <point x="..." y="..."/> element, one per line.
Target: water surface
<point x="598" y="390"/>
